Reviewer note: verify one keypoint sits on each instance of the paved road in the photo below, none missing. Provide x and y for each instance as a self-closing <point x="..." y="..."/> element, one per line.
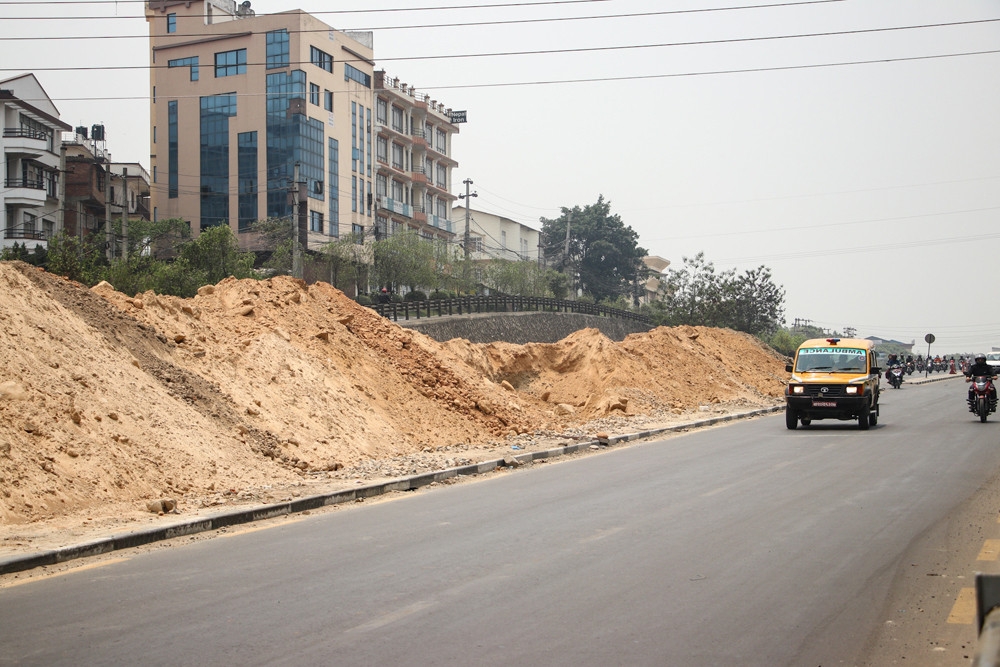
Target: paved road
<point x="745" y="544"/>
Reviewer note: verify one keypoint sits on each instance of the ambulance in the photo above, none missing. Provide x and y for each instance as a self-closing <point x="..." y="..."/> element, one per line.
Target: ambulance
<point x="833" y="378"/>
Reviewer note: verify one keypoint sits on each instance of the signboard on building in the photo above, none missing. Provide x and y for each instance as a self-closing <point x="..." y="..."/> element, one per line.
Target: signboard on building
<point x="458" y="117"/>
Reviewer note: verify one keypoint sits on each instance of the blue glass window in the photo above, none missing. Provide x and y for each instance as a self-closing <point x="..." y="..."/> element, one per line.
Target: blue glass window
<point x="328" y="100"/>
<point x="191" y="62"/>
<point x="216" y="111"/>
<point x="315" y="221"/>
<point x="172" y="141"/>
<point x="354" y="193"/>
<point x="277" y="49"/>
<point x="321" y="59"/>
<point x="311" y="157"/>
<point x="230" y="63"/>
<point x="313" y="94"/>
<point x="352" y="73"/>
<point x="171" y="22"/>
<point x="334" y="188"/>
<point x="247" y="165"/>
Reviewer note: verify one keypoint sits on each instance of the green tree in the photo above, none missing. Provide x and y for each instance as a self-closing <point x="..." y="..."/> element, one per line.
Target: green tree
<point x="77" y="260"/>
<point x="753" y="303"/>
<point x="515" y="277"/>
<point x="217" y="253"/>
<point x="403" y="259"/>
<point x="694" y="294"/>
<point x="603" y="251"/>
<point x="275" y="235"/>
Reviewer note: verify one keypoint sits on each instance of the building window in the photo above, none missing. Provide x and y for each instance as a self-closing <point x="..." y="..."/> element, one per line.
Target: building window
<point x="247" y="165"/>
<point x="231" y="63"/>
<point x="171" y="23"/>
<point x="397" y="191"/>
<point x="397" y="156"/>
<point x="334" y="175"/>
<point x="328" y="100"/>
<point x="354" y="193"/>
<point x="283" y="131"/>
<point x="397" y="119"/>
<point x="382" y="150"/>
<point x="216" y="111"/>
<point x="315" y="221"/>
<point x="361" y="133"/>
<point x="442" y="177"/>
<point x="191" y="62"/>
<point x="381" y="111"/>
<point x="312" y="157"/>
<point x="442" y="208"/>
<point x="442" y="142"/>
<point x="503" y="240"/>
<point x="321" y="59"/>
<point x="172" y="143"/>
<point x="359" y="234"/>
<point x="354" y="136"/>
<point x="313" y="94"/>
<point x="380" y="185"/>
<point x="277" y="49"/>
<point x="354" y="74"/>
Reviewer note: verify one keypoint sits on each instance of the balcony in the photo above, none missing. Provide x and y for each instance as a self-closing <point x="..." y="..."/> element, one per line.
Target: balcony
<point x="26" y="236"/>
<point x="24" y="192"/>
<point x="22" y="143"/>
<point x="396" y="206"/>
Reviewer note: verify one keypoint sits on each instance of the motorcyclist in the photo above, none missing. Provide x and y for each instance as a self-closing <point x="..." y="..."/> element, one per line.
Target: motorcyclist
<point x="980" y="367"/>
<point x="893" y="362"/>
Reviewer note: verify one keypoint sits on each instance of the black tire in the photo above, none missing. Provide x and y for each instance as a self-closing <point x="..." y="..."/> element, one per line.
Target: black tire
<point x="791" y="419"/>
<point x="806" y="421"/>
<point x="873" y="417"/>
<point x="983" y="409"/>
<point x="865" y="418"/>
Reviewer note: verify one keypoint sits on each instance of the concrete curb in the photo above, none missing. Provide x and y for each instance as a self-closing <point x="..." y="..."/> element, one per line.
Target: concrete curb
<point x="931" y="378"/>
<point x="21" y="562"/>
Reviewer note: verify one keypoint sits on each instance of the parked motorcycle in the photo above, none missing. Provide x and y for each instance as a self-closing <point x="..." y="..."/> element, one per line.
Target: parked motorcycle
<point x="895" y="376"/>
<point x="982" y="401"/>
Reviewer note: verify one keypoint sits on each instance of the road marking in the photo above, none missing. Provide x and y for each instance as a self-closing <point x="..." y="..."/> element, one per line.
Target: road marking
<point x="391" y="617"/>
<point x="601" y="534"/>
<point x="53" y="575"/>
<point x="990" y="550"/>
<point x="964" y="610"/>
<point x="716" y="491"/>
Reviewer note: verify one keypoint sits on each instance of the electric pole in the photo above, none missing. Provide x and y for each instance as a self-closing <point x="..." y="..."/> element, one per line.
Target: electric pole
<point x="109" y="237"/>
<point x="124" y="212"/>
<point x="468" y="241"/>
<point x="296" y="249"/>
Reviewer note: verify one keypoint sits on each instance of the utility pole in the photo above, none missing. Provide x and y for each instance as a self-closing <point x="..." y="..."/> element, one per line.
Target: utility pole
<point x="468" y="241"/>
<point x="109" y="237"/>
<point x="124" y="212"/>
<point x="296" y="250"/>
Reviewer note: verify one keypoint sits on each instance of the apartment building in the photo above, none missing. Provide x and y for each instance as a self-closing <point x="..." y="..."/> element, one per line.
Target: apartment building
<point x="30" y="210"/>
<point x="496" y="237"/>
<point x="413" y="157"/>
<point x="98" y="189"/>
<point x="239" y="100"/>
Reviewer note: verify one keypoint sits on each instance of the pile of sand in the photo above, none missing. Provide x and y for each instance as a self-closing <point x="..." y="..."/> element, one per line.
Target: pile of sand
<point x="107" y="399"/>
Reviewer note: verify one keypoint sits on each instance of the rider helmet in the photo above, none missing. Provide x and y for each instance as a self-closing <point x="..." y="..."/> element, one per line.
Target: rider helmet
<point x="981" y="358"/>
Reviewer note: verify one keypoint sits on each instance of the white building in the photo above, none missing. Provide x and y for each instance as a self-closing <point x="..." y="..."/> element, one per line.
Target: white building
<point x="30" y="209"/>
<point x="496" y="237"/>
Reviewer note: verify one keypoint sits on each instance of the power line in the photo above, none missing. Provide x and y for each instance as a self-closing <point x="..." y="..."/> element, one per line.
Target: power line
<point x="591" y="49"/>
<point x="474" y="23"/>
<point x="753" y="70"/>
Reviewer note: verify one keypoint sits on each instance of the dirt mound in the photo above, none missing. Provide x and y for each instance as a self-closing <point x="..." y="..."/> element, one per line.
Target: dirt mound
<point x="109" y="399"/>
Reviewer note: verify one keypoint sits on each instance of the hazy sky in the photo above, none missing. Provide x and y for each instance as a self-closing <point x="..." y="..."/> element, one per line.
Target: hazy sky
<point x="852" y="146"/>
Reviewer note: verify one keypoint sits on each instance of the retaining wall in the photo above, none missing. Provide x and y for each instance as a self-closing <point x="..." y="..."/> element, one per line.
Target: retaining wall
<point x="521" y="328"/>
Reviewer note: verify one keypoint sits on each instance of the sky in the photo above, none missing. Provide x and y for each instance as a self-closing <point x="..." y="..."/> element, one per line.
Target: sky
<point x="851" y="146"/>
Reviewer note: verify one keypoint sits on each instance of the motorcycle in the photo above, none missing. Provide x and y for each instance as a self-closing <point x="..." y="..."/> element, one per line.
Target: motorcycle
<point x="909" y="368"/>
<point x="895" y="376"/>
<point x="920" y="366"/>
<point x="981" y="400"/>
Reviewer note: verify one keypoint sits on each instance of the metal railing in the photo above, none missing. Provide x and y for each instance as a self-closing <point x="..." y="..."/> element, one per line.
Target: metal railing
<point x="13" y="132"/>
<point x="465" y="305"/>
<point x="25" y="233"/>
<point x="34" y="184"/>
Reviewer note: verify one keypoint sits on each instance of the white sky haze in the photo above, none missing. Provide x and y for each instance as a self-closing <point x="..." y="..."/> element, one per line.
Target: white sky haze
<point x="852" y="146"/>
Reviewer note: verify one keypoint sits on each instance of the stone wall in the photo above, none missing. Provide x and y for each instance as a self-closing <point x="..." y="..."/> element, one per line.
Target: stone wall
<point x="521" y="328"/>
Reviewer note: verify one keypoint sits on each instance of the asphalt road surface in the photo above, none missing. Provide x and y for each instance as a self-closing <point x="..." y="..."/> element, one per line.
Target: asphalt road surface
<point x="746" y="544"/>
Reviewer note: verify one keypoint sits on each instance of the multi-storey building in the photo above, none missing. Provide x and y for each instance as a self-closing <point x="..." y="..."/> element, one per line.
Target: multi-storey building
<point x="496" y="237"/>
<point x="239" y="101"/>
<point x="413" y="156"/>
<point x="30" y="210"/>
<point x="98" y="189"/>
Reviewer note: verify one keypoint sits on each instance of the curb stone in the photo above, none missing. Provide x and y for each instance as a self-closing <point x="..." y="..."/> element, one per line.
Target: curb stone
<point x="22" y="562"/>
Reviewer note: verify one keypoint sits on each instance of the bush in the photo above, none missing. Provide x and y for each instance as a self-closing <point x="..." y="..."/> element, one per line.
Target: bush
<point x="441" y="294"/>
<point x="363" y="299"/>
<point x="415" y="295"/>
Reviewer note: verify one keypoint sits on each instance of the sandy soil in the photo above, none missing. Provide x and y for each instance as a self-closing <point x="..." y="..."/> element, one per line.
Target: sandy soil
<point x="258" y="391"/>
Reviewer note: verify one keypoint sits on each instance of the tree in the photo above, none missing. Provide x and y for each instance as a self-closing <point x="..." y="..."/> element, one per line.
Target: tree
<point x="603" y="251"/>
<point x="515" y="277"/>
<point x="694" y="294"/>
<point x="217" y="253"/>
<point x="754" y="303"/>
<point x="403" y="259"/>
<point x="78" y="260"/>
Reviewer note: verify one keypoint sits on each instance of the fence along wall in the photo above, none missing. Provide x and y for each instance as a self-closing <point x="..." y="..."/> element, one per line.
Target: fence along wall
<point x="521" y="328"/>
